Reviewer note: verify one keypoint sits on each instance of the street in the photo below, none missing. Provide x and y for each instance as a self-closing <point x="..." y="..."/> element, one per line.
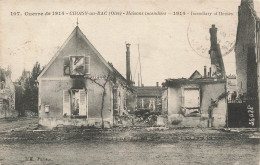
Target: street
<point x="103" y="152"/>
<point x="29" y="146"/>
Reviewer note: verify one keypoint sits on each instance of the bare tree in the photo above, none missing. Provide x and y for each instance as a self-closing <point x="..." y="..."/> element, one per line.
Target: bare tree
<point x="107" y="79"/>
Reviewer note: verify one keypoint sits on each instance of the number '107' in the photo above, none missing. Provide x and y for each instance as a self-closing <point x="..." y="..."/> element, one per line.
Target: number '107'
<point x="15" y="13"/>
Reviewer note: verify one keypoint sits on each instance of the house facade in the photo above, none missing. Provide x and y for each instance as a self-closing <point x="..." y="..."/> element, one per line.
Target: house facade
<point x="78" y="87"/>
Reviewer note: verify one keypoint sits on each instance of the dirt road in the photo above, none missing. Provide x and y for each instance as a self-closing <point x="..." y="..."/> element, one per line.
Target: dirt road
<point x="20" y="145"/>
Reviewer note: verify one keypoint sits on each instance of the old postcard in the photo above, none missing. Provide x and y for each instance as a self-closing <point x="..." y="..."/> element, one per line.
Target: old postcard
<point x="129" y="82"/>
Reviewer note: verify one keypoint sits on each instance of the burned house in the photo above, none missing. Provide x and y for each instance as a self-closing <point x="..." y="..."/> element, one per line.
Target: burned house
<point x="198" y="101"/>
<point x="7" y="95"/>
<point x="78" y="87"/>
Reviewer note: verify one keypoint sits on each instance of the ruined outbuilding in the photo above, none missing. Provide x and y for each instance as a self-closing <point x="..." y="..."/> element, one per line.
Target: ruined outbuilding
<point x="198" y="101"/>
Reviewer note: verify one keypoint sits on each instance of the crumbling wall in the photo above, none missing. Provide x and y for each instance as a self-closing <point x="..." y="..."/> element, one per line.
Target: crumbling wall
<point x="245" y="39"/>
<point x="209" y="92"/>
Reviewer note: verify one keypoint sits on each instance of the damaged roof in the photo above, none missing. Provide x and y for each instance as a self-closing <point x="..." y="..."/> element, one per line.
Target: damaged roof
<point x="170" y="82"/>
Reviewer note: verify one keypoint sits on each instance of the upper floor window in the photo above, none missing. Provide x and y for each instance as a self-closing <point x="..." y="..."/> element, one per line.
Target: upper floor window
<point x="76" y="65"/>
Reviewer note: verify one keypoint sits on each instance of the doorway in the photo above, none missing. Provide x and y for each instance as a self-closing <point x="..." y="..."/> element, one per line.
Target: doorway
<point x="78" y="102"/>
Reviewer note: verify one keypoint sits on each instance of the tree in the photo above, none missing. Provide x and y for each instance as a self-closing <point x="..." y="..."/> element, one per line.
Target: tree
<point x="2" y="74"/>
<point x="103" y="86"/>
<point x="30" y="95"/>
<point x="19" y="100"/>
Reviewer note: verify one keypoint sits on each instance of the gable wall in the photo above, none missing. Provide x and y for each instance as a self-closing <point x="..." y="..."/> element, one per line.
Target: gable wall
<point x="76" y="46"/>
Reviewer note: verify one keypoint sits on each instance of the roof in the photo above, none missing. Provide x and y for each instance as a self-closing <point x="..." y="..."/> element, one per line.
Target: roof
<point x="180" y="81"/>
<point x="149" y="91"/>
<point x="116" y="72"/>
<point x="195" y="74"/>
<point x="129" y="87"/>
<point x="76" y="32"/>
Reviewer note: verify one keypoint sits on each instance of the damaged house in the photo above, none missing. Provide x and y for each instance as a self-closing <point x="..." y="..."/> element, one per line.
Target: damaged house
<point x="198" y="101"/>
<point x="78" y="87"/>
<point x="7" y="95"/>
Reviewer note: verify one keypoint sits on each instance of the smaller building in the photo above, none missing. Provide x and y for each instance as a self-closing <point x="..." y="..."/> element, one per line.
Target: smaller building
<point x="195" y="102"/>
<point x="7" y="95"/>
<point x="149" y="98"/>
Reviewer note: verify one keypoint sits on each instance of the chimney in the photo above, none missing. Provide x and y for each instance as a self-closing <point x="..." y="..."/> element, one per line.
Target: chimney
<point x="157" y="84"/>
<point x="217" y="64"/>
<point x="128" y="70"/>
<point x="213" y="37"/>
<point x="205" y="71"/>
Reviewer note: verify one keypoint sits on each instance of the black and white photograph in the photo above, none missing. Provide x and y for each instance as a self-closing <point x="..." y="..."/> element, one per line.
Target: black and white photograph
<point x="140" y="82"/>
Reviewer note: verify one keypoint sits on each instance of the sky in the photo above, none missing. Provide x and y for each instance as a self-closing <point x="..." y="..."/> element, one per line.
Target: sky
<point x="170" y="46"/>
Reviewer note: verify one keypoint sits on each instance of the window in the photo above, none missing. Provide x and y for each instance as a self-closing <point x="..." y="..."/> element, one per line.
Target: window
<point x="191" y="101"/>
<point x="76" y="65"/>
<point x="152" y="104"/>
<point x="119" y="102"/>
<point x="66" y="103"/>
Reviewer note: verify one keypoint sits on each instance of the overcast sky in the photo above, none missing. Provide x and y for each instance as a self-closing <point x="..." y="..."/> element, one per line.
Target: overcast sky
<point x="170" y="46"/>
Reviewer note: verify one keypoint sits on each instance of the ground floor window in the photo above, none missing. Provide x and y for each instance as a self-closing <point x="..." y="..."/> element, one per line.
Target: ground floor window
<point x="191" y="101"/>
